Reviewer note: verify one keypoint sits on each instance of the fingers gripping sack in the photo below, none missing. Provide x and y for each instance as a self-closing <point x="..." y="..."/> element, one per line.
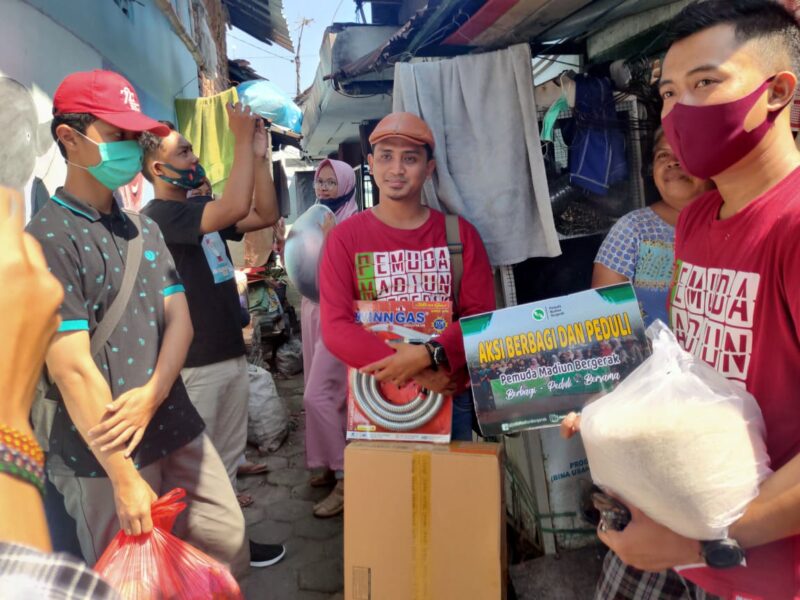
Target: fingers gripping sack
<point x="159" y="565"/>
<point x="679" y="441"/>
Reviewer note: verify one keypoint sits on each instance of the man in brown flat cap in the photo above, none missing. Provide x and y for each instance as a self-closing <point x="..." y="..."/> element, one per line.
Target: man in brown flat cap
<point x="398" y="250"/>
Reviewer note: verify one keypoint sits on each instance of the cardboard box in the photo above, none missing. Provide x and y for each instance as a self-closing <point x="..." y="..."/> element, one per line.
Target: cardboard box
<point x="424" y="522"/>
<point x="533" y="364"/>
<point x="410" y="322"/>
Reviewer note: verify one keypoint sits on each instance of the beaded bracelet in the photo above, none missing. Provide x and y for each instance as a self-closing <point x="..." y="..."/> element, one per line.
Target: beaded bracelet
<point x="24" y="443"/>
<point x="21" y="457"/>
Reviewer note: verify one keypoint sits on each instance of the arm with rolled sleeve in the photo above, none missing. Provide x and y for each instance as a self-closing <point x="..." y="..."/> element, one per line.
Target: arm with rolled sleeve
<point x="347" y="340"/>
<point x="475" y="297"/>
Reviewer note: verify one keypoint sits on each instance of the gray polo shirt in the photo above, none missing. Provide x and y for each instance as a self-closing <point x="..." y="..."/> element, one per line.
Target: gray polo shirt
<point x="85" y="250"/>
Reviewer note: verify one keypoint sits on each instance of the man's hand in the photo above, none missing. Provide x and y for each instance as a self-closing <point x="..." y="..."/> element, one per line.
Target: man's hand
<point x="242" y="122"/>
<point x="437" y="381"/>
<point x="570" y="425"/>
<point x="407" y="361"/>
<point x="262" y="142"/>
<point x="126" y="420"/>
<point x="29" y="304"/>
<point x="203" y="190"/>
<point x="648" y="546"/>
<point x="133" y="498"/>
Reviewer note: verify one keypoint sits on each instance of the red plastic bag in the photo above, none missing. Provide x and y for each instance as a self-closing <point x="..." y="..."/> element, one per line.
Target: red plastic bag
<point x="159" y="566"/>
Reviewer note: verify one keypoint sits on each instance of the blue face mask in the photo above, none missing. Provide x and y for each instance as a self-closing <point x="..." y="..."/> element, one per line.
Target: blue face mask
<point x="188" y="179"/>
<point x="119" y="162"/>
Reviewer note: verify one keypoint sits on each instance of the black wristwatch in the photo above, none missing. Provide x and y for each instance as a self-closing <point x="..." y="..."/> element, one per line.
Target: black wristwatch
<point x="722" y="554"/>
<point x="436" y="351"/>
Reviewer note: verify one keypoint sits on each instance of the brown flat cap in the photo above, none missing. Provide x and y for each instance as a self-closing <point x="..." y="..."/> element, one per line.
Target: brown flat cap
<point x="403" y="125"/>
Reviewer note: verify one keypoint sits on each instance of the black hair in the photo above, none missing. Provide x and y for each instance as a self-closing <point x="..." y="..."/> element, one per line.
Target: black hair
<point x="766" y="21"/>
<point x="428" y="151"/>
<point x="150" y="143"/>
<point x="77" y="121"/>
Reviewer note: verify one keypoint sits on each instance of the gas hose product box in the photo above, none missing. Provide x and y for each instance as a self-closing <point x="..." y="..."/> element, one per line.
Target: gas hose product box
<point x="533" y="364"/>
<point x="382" y="411"/>
<point x="424" y="521"/>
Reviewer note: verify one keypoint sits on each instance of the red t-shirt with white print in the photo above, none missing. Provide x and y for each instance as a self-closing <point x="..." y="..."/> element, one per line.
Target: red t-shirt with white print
<point x="736" y="304"/>
<point x="365" y="259"/>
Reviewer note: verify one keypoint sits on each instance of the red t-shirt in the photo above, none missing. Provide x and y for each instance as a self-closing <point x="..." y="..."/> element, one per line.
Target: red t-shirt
<point x="735" y="303"/>
<point x="365" y="259"/>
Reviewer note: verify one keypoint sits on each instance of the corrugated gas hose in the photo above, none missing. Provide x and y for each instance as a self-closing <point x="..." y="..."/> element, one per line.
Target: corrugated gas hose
<point x="394" y="417"/>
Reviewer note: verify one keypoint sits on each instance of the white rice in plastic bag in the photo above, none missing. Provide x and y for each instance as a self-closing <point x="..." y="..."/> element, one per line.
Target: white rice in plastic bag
<point x="679" y="441"/>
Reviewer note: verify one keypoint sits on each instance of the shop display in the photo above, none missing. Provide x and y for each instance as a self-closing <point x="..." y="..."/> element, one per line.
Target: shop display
<point x="424" y="521"/>
<point x="159" y="565"/>
<point x="533" y="364"/>
<point x="694" y="439"/>
<point x="378" y="411"/>
<point x="303" y="249"/>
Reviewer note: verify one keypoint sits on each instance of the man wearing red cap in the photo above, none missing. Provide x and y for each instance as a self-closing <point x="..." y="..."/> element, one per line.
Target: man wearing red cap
<point x="379" y="255"/>
<point x="132" y="380"/>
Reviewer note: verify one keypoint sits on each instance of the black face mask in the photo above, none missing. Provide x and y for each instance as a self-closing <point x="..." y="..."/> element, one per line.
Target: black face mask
<point x="188" y="179"/>
<point x="336" y="203"/>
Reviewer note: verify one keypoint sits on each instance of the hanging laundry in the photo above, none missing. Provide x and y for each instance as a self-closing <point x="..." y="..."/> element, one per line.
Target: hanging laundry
<point x="204" y="122"/>
<point x="597" y="154"/>
<point x="489" y="162"/>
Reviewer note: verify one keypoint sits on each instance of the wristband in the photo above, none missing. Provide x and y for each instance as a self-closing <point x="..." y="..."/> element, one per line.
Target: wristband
<point x="21" y="457"/>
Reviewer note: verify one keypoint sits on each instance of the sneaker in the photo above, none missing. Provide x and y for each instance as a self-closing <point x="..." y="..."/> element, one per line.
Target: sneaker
<point x="333" y="504"/>
<point x="265" y="555"/>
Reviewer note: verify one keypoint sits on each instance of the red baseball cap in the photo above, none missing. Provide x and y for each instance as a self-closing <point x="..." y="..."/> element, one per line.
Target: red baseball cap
<point x="109" y="97"/>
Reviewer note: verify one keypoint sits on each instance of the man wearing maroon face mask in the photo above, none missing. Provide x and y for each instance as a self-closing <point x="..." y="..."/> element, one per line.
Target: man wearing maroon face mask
<point x="727" y="82"/>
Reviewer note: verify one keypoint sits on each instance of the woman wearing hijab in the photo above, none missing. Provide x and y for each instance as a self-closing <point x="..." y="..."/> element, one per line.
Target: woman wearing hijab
<point x="325" y="396"/>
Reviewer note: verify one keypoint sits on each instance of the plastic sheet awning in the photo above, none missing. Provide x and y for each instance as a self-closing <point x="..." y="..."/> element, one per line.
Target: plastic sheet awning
<point x="449" y="27"/>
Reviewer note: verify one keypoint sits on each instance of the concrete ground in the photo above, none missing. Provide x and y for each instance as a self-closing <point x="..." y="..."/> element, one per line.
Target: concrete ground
<point x="312" y="568"/>
<point x="572" y="575"/>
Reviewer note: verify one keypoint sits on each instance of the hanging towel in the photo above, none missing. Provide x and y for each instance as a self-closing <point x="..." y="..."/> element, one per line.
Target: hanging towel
<point x="204" y="122"/>
<point x="597" y="158"/>
<point x="489" y="164"/>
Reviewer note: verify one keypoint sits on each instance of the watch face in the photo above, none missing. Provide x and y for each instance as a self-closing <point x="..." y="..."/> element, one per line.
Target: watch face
<point x="723" y="554"/>
<point x="438" y="355"/>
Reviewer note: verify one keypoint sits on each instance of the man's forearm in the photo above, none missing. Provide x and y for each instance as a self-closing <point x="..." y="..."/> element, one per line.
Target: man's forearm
<point x="86" y="394"/>
<point x="238" y="192"/>
<point x="18" y="497"/>
<point x="775" y="513"/>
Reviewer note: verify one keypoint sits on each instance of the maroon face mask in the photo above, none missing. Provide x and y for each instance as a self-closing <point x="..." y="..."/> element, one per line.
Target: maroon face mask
<point x="710" y="139"/>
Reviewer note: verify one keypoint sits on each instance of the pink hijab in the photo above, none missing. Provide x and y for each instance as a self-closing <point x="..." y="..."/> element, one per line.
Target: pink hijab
<point x="346" y="181"/>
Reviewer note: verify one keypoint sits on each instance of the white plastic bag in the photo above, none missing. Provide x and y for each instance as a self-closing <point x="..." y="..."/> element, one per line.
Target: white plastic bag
<point x="268" y="416"/>
<point x="679" y="441"/>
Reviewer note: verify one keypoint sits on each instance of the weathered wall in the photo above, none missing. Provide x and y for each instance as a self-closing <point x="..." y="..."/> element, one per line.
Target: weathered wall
<point x="216" y="21"/>
<point x="41" y="41"/>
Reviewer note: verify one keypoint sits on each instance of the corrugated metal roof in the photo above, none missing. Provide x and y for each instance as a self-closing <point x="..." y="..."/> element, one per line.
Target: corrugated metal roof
<point x="262" y="19"/>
